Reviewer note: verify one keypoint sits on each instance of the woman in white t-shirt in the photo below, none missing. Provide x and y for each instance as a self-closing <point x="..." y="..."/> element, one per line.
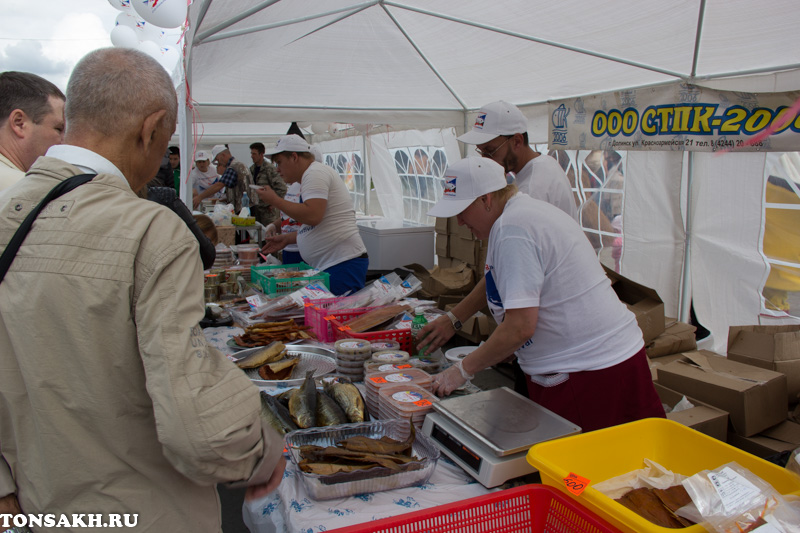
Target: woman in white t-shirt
<point x="329" y="239"/>
<point x="579" y="346"/>
<point x="202" y="175"/>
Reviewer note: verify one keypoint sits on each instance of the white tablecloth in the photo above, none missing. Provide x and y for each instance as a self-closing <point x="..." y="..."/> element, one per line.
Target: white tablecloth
<point x="290" y="510"/>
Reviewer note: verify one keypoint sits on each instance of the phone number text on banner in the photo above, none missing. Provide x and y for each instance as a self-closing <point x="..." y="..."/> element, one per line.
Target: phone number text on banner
<point x="676" y="117"/>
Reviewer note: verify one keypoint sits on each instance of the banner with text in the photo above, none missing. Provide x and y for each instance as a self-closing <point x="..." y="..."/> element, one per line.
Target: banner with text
<point x="676" y="117"/>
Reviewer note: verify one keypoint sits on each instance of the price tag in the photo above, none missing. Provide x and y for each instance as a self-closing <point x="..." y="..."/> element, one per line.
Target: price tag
<point x="379" y="380"/>
<point x="423" y="403"/>
<point x="401" y="367"/>
<point x="576" y="484"/>
<point x="329" y="317"/>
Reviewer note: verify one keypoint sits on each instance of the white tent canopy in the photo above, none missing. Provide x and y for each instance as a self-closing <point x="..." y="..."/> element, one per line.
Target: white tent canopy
<point x="386" y="66"/>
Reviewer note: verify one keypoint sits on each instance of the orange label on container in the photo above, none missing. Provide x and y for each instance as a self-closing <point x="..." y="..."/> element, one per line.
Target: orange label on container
<point x="379" y="380"/>
<point x="423" y="403"/>
<point x="401" y="367"/>
<point x="576" y="484"/>
<point x="329" y="317"/>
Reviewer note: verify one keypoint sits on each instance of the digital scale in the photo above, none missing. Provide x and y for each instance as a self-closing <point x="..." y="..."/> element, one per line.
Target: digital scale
<point x="489" y="433"/>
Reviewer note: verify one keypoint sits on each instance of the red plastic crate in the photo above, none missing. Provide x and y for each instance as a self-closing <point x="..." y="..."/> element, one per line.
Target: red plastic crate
<point x="318" y="318"/>
<point x="341" y="331"/>
<point x="529" y="508"/>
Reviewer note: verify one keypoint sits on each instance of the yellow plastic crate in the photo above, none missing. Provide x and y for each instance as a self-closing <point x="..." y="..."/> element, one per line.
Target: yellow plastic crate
<point x="606" y="453"/>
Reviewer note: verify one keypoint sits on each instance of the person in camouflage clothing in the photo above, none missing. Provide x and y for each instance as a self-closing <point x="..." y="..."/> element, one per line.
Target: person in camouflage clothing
<point x="264" y="173"/>
<point x="236" y="179"/>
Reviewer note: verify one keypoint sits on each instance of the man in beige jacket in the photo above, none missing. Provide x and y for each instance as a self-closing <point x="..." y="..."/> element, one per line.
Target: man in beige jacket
<point x="31" y="121"/>
<point x="113" y="409"/>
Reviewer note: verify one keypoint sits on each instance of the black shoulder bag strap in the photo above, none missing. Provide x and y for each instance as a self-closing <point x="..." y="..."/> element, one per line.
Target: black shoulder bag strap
<point x="16" y="241"/>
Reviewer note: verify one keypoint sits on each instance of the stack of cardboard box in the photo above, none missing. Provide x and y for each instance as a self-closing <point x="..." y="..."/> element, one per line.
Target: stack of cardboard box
<point x="456" y="245"/>
<point x="757" y="384"/>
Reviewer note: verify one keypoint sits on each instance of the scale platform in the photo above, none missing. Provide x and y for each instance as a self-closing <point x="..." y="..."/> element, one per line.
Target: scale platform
<point x="489" y="433"/>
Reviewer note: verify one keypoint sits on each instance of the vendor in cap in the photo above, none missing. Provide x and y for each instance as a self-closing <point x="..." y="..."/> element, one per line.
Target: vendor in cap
<point x="580" y="347"/>
<point x="236" y="179"/>
<point x="329" y="239"/>
<point x="202" y="175"/>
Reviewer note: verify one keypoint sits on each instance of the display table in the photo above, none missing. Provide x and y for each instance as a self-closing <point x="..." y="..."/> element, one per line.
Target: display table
<point x="289" y="509"/>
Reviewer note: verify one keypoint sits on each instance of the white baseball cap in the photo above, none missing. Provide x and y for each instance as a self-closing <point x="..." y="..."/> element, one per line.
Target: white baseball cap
<point x="317" y="153"/>
<point x="465" y="181"/>
<point x="218" y="149"/>
<point x="202" y="155"/>
<point x="290" y="143"/>
<point x="493" y="120"/>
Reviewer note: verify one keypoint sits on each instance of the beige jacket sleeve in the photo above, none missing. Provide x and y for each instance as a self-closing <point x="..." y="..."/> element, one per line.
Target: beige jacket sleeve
<point x="7" y="483"/>
<point x="206" y="409"/>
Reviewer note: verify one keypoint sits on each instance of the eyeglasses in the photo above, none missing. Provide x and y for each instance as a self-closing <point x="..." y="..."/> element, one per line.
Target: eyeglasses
<point x="491" y="154"/>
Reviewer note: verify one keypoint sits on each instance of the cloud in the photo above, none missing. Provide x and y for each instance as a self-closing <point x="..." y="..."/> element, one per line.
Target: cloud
<point x="29" y="56"/>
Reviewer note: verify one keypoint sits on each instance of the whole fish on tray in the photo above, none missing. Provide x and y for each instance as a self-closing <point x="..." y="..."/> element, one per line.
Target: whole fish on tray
<point x="303" y="403"/>
<point x="276" y="414"/>
<point x="329" y="413"/>
<point x="349" y="398"/>
<point x="271" y="353"/>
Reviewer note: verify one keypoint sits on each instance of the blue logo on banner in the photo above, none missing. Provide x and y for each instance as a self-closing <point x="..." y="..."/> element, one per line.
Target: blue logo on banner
<point x="559" y="120"/>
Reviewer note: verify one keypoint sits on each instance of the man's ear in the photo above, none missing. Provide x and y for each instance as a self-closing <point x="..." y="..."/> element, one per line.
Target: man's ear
<point x="18" y="120"/>
<point x="150" y="127"/>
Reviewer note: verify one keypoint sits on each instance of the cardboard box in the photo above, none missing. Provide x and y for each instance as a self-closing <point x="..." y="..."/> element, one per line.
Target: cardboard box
<point x="775" y="440"/>
<point x="702" y="417"/>
<point x="457" y="279"/>
<point x="442" y="247"/>
<point x="754" y="397"/>
<point x="678" y="337"/>
<point x="463" y="249"/>
<point x="440" y="226"/>
<point x="459" y="231"/>
<point x="772" y="347"/>
<point x="445" y="262"/>
<point x="477" y="328"/>
<point x="643" y="301"/>
<point x="661" y="361"/>
<point x="226" y="235"/>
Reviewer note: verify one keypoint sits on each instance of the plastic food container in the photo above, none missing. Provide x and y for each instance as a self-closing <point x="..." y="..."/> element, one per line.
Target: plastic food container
<point x="607" y="453"/>
<point x="375" y="479"/>
<point x="406" y="401"/>
<point x="263" y="276"/>
<point x="374" y="382"/>
<point x="390" y="356"/>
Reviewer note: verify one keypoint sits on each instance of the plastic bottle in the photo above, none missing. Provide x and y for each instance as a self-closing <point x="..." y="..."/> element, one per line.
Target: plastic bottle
<point x="245" y="206"/>
<point x="417" y="325"/>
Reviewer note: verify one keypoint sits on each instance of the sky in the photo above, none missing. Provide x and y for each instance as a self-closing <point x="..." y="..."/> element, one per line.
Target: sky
<point x="48" y="37"/>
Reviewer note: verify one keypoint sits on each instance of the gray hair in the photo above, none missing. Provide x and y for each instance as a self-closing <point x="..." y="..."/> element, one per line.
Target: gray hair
<point x="115" y="88"/>
<point x="28" y="92"/>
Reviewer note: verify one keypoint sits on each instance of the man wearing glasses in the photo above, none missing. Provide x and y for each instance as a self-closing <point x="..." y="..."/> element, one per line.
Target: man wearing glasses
<point x="501" y="134"/>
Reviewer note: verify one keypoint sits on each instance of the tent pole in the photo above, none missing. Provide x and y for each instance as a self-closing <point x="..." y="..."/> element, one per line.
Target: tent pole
<point x="686" y="285"/>
<point x="367" y="173"/>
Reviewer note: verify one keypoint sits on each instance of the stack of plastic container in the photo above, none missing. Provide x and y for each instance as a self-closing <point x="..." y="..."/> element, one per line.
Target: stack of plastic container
<point x="375" y="382"/>
<point x="405" y="401"/>
<point x="373" y="367"/>
<point x="388" y="344"/>
<point x="390" y="356"/>
<point x="429" y="364"/>
<point x="350" y="357"/>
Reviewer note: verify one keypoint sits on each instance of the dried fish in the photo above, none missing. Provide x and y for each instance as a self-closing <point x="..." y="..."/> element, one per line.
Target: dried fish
<point x="303" y="403"/>
<point x="279" y="370"/>
<point x="349" y="399"/>
<point x="280" y="411"/>
<point x="384" y="445"/>
<point x="269" y="416"/>
<point x="328" y="411"/>
<point x="268" y="354"/>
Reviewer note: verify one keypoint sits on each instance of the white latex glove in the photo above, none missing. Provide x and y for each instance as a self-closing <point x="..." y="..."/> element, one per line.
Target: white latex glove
<point x="444" y="383"/>
<point x="271" y="230"/>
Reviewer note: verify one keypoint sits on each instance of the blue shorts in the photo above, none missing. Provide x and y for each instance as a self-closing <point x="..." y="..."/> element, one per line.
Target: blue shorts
<point x="350" y="275"/>
<point x="291" y="258"/>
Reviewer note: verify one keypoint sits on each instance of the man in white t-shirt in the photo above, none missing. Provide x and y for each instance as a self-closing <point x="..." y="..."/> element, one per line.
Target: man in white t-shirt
<point x="501" y="134"/>
<point x="329" y="239"/>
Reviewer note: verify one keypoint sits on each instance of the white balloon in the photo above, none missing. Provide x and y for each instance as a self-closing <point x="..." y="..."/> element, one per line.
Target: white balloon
<point x="319" y="127"/>
<point x="124" y="37"/>
<point x="361" y="128"/>
<point x="150" y="48"/>
<point x="162" y="13"/>
<point x="121" y="5"/>
<point x="169" y="58"/>
<point x="147" y="32"/>
<point x="303" y="125"/>
<point x="127" y="19"/>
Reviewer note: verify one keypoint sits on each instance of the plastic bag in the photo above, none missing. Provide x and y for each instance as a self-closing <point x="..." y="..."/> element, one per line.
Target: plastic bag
<point x="653" y="476"/>
<point x="732" y="499"/>
<point x="793" y="463"/>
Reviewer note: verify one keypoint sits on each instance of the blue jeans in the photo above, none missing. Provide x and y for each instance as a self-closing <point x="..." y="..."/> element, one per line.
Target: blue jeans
<point x="291" y="258"/>
<point x="350" y="275"/>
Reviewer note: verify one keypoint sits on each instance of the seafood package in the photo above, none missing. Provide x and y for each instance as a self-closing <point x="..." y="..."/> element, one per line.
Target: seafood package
<point x="381" y="345"/>
<point x="381" y="445"/>
<point x="410" y="376"/>
<point x="373" y="367"/>
<point x="337" y="403"/>
<point x="350" y="357"/>
<point x="390" y="356"/>
<point x="406" y="401"/>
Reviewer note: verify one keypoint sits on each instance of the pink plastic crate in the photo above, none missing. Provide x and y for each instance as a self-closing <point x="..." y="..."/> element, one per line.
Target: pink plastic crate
<point x="341" y="331"/>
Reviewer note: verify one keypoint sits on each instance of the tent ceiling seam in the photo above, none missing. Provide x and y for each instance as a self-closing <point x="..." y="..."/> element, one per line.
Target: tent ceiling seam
<point x="535" y="39"/>
<point x="209" y="36"/>
<point x="334" y="21"/>
<point x="424" y="57"/>
<point x="233" y="20"/>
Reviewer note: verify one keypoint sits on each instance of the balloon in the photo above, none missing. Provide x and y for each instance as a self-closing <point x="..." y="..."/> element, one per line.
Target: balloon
<point x="147" y="32"/>
<point x="121" y="5"/>
<point x="124" y="37"/>
<point x="319" y="127"/>
<point x="127" y="19"/>
<point x="150" y="48"/>
<point x="169" y="58"/>
<point x="361" y="128"/>
<point x="162" y="13"/>
<point x="303" y="125"/>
